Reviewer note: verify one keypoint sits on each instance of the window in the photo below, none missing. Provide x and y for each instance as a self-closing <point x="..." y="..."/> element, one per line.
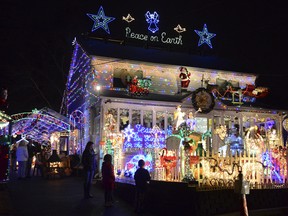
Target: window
<point x="124" y="118"/>
<point x="136" y="117"/>
<point x="160" y="119"/>
<point x="148" y="118"/>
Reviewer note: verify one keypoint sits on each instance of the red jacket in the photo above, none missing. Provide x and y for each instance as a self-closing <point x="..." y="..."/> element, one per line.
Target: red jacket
<point x="108" y="177"/>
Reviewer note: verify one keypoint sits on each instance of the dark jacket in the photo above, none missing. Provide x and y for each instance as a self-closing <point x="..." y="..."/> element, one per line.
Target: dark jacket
<point x="141" y="177"/>
<point x="89" y="160"/>
<point x="31" y="150"/>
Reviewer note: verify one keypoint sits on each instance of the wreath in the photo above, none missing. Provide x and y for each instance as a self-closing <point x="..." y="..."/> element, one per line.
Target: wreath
<point x="202" y="99"/>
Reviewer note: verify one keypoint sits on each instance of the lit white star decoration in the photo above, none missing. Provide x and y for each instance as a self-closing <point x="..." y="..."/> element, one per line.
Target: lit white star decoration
<point x="100" y="20"/>
<point x="129" y="133"/>
<point x="205" y="36"/>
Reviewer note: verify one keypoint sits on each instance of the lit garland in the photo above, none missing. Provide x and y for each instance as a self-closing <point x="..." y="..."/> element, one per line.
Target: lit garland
<point x="188" y="174"/>
<point x="34" y="124"/>
<point x="4" y="116"/>
<point x="76" y="87"/>
<point x="163" y="77"/>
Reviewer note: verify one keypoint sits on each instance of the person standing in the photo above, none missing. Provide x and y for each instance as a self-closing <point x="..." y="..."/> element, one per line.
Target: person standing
<point x="108" y="179"/>
<point x="41" y="163"/>
<point x="13" y="158"/>
<point x="141" y="177"/>
<point x="89" y="167"/>
<point x="22" y="158"/>
<point x="31" y="154"/>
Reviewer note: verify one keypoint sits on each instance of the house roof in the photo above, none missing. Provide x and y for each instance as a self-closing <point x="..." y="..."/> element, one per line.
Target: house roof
<point x="119" y="49"/>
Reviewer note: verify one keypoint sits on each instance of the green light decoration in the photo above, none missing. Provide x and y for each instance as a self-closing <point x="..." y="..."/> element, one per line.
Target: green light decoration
<point x="139" y="86"/>
<point x="108" y="146"/>
<point x="183" y="133"/>
<point x="188" y="174"/>
<point x="206" y="134"/>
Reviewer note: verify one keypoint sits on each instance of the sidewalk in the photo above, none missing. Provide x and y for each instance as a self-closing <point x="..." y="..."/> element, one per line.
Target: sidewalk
<point x="262" y="212"/>
<point x="5" y="204"/>
<point x="64" y="196"/>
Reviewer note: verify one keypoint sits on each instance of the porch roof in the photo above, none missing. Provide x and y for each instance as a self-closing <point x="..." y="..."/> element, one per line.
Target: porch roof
<point x="39" y="124"/>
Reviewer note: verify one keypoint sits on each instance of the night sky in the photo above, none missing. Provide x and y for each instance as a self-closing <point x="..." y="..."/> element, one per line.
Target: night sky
<point x="36" y="41"/>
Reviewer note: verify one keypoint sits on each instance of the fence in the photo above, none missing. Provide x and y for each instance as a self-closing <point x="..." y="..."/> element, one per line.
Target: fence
<point x="216" y="169"/>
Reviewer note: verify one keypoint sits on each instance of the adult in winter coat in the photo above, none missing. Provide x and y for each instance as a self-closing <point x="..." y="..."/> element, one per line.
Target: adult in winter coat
<point x="22" y="158"/>
<point x="31" y="153"/>
<point x="89" y="167"/>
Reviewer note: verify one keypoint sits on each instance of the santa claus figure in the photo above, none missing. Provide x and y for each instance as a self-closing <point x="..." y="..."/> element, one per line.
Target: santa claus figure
<point x="185" y="78"/>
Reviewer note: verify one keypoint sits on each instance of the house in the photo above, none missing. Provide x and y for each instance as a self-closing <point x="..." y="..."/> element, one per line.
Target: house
<point x="189" y="117"/>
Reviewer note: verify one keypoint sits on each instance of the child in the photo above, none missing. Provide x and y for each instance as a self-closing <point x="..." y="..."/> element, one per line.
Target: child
<point x="141" y="177"/>
<point x="108" y="179"/>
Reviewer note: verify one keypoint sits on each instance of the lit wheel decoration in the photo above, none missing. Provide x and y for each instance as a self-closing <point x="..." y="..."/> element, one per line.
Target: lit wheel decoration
<point x="203" y="99"/>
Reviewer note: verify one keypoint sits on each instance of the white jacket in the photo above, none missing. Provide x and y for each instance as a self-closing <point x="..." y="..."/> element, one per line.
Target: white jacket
<point x="22" y="153"/>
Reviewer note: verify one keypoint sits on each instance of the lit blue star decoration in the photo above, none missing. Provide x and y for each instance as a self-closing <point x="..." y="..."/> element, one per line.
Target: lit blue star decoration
<point x="100" y="20"/>
<point x="152" y="19"/>
<point x="205" y="36"/>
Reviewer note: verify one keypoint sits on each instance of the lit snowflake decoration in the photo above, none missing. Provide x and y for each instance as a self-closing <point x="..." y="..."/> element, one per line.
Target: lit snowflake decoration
<point x="100" y="20"/>
<point x="205" y="36"/>
<point x="129" y="133"/>
<point x="152" y="19"/>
